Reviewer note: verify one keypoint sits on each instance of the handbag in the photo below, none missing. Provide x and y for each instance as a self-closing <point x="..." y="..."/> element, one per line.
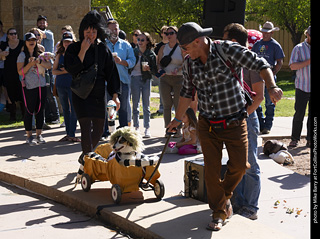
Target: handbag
<point x="165" y="61"/>
<point x="248" y="94"/>
<point x="83" y="83"/>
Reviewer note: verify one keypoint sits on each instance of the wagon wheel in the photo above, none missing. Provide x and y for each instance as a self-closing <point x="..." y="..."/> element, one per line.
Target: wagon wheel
<point x="85" y="182"/>
<point x="116" y="193"/>
<point x="159" y="189"/>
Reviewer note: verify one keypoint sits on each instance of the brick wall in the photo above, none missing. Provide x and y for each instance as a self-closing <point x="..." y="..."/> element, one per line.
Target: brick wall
<point x="23" y="14"/>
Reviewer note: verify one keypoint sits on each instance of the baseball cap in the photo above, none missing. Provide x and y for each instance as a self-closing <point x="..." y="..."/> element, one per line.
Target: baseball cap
<point x="29" y="36"/>
<point x="40" y="17"/>
<point x="67" y="36"/>
<point x="189" y="31"/>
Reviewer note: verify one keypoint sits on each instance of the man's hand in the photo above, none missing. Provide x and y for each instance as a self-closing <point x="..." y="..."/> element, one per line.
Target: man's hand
<point x="275" y="94"/>
<point x="117" y="101"/>
<point x="173" y="125"/>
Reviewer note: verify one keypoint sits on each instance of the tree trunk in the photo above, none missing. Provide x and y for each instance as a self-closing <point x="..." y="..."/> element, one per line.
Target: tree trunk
<point x="296" y="38"/>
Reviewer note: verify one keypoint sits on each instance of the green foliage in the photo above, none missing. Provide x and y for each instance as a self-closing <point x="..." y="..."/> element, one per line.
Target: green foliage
<point x="151" y="15"/>
<point x="293" y="15"/>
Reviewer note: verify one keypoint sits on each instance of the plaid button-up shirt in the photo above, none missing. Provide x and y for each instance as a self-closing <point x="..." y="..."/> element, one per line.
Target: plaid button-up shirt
<point x="219" y="92"/>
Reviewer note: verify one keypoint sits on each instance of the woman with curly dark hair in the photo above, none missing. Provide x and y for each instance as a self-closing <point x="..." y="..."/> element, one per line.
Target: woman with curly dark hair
<point x="80" y="56"/>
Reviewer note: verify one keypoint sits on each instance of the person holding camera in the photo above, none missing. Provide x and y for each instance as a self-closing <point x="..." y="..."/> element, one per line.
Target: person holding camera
<point x="170" y="60"/>
<point x="63" y="84"/>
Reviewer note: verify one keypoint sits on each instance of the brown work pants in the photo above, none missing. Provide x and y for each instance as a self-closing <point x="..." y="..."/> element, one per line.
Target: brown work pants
<point x="236" y="141"/>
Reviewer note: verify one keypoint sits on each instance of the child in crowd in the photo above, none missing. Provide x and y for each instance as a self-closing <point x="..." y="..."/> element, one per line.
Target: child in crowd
<point x="189" y="143"/>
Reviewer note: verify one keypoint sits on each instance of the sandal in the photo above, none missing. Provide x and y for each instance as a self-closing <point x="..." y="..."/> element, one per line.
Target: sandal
<point x="65" y="138"/>
<point x="293" y="143"/>
<point x="74" y="139"/>
<point x="215" y="225"/>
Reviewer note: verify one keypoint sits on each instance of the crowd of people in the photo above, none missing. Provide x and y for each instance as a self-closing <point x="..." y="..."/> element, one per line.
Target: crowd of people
<point x="197" y="76"/>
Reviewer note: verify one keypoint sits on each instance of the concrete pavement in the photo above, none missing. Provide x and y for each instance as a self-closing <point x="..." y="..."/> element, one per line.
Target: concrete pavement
<point x="50" y="169"/>
<point x="27" y="215"/>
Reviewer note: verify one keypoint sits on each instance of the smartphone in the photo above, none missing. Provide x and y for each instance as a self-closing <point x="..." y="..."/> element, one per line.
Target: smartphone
<point x="160" y="73"/>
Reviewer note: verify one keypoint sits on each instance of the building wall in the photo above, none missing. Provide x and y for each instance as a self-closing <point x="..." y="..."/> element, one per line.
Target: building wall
<point x="23" y="14"/>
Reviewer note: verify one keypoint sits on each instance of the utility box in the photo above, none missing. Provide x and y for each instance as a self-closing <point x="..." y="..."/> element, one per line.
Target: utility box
<point x="194" y="184"/>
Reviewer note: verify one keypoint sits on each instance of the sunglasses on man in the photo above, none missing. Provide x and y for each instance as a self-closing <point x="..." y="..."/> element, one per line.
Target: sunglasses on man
<point x="12" y="33"/>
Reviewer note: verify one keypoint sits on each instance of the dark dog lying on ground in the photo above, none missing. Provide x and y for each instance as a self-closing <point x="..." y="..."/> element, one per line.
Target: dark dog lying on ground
<point x="273" y="146"/>
<point x="278" y="151"/>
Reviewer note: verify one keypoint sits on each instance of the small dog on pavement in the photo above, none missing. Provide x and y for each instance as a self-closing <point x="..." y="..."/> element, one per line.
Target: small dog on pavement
<point x="278" y="151"/>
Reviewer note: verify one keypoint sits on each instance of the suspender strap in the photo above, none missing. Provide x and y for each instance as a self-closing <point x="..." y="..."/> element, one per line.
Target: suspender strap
<point x="228" y="63"/>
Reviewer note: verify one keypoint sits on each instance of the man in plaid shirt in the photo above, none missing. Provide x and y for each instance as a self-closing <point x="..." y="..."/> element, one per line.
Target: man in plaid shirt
<point x="222" y="110"/>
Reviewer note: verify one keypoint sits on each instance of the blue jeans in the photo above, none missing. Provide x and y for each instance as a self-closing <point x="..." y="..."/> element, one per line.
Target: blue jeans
<point x="247" y="192"/>
<point x="141" y="87"/>
<point x="69" y="115"/>
<point x="124" y="99"/>
<point x="266" y="122"/>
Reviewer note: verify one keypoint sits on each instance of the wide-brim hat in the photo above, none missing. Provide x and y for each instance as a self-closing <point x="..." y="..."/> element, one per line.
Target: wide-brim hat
<point x="268" y="27"/>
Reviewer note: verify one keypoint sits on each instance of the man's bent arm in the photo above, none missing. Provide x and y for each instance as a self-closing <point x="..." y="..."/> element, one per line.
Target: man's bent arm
<point x="274" y="91"/>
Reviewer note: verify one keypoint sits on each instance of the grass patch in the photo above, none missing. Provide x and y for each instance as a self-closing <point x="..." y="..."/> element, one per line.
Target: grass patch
<point x="284" y="108"/>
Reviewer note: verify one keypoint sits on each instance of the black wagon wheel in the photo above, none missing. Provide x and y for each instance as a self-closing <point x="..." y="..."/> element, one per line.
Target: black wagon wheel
<point x="116" y="193"/>
<point x="85" y="182"/>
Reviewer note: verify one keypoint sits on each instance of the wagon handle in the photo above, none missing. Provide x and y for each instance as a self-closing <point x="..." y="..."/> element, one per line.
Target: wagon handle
<point x="161" y="156"/>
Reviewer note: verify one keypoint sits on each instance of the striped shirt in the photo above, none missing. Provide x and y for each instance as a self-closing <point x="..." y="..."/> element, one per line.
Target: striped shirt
<point x="300" y="53"/>
<point x="219" y="93"/>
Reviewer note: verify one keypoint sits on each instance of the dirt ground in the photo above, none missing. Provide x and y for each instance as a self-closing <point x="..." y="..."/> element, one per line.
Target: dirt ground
<point x="301" y="155"/>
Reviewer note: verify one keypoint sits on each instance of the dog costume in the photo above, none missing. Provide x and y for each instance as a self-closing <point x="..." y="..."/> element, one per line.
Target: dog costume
<point x="120" y="162"/>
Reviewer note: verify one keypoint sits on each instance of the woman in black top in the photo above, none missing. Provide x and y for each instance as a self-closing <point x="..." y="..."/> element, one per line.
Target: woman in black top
<point x="81" y="55"/>
<point x="11" y="77"/>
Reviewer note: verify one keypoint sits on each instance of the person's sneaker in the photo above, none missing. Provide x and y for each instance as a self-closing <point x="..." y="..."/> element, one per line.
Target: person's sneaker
<point x="265" y="131"/>
<point x="45" y="126"/>
<point x="40" y="139"/>
<point x="147" y="133"/>
<point x="248" y="213"/>
<point x="31" y="141"/>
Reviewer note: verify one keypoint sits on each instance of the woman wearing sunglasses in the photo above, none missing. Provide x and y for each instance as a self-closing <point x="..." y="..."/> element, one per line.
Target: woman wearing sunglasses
<point x="171" y="80"/>
<point x="141" y="80"/>
<point x="11" y="49"/>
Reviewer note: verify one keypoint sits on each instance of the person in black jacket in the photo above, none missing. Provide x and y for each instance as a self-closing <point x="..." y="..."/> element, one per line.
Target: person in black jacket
<point x="81" y="55"/>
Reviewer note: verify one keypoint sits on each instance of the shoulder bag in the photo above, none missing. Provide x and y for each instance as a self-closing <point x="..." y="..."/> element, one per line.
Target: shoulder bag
<point x="165" y="61"/>
<point x="83" y="83"/>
